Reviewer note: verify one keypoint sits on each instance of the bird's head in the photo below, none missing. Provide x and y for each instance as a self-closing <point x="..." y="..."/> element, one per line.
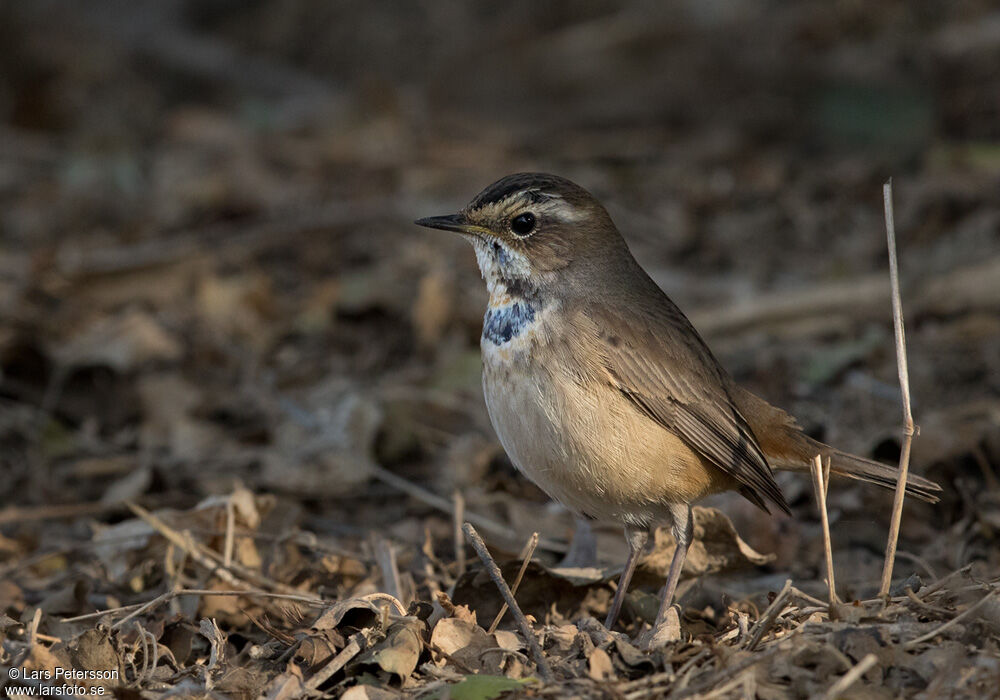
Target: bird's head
<point x="534" y="231"/>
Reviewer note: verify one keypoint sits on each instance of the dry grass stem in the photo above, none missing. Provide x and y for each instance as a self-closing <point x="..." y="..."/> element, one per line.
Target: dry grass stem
<point x="826" y="477"/>
<point x="244" y="573"/>
<point x="227" y="551"/>
<point x="904" y="386"/>
<point x="494" y="572"/>
<point x="187" y="545"/>
<point x="817" y="474"/>
<point x="36" y="618"/>
<point x="353" y="648"/>
<point x="851" y="677"/>
<point x="529" y="549"/>
<point x="766" y="620"/>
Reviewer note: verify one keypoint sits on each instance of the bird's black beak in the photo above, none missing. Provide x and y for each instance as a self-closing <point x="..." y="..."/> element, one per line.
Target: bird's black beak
<point x="452" y="222"/>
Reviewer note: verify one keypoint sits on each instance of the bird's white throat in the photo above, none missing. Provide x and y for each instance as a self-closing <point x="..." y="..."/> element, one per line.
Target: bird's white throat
<point x="501" y="267"/>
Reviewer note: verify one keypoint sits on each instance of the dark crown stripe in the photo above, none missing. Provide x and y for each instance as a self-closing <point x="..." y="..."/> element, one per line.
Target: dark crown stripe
<point x="503" y="188"/>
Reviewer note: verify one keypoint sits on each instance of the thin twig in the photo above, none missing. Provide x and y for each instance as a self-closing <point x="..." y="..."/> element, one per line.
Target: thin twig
<point x="919" y="561"/>
<point x="817" y="474"/>
<point x="457" y="518"/>
<point x="494" y="571"/>
<point x="722" y="689"/>
<point x="155" y="602"/>
<point x="942" y="582"/>
<point x="904" y="386"/>
<point x="930" y="635"/>
<point x="22" y="514"/>
<point x="912" y="597"/>
<point x="641" y="686"/>
<point x="808" y="598"/>
<point x="529" y="549"/>
<point x="645" y="684"/>
<point x="766" y="620"/>
<point x="352" y="649"/>
<point x="851" y="677"/>
<point x="736" y="669"/>
<point x="139" y="608"/>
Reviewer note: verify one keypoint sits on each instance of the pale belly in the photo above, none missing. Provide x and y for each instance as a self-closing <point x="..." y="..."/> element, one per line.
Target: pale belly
<point x="587" y="446"/>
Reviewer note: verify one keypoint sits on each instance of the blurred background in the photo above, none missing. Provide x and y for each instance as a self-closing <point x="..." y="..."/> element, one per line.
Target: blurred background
<point x="209" y="276"/>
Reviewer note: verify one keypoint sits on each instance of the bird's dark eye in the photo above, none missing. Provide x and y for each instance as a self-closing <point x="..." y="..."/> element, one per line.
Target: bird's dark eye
<point x="523" y="224"/>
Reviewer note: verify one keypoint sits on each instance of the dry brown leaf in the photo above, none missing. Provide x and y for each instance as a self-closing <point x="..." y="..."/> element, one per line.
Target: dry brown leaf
<point x="94" y="649"/>
<point x="287" y="685"/>
<point x="508" y="640"/>
<point x="319" y="647"/>
<point x="368" y="692"/>
<point x="599" y="666"/>
<point x="561" y="638"/>
<point x="235" y="307"/>
<point x="353" y="612"/>
<point x="121" y="342"/>
<point x="399" y="652"/>
<point x="465" y="642"/>
<point x="217" y="638"/>
<point x="631" y="655"/>
<point x="668" y="633"/>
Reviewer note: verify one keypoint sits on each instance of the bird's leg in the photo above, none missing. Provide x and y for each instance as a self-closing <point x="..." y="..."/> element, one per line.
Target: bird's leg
<point x="636" y="539"/>
<point x="682" y="530"/>
<point x="582" y="548"/>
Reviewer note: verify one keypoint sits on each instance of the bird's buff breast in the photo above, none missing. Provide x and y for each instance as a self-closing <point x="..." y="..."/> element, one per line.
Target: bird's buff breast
<point x="581" y="442"/>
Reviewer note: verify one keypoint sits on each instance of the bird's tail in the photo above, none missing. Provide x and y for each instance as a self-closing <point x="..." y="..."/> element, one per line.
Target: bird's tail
<point x="787" y="448"/>
<point x="854" y="467"/>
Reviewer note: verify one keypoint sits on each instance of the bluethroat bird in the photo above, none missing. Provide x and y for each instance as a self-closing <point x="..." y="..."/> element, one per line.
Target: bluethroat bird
<point x="600" y="389"/>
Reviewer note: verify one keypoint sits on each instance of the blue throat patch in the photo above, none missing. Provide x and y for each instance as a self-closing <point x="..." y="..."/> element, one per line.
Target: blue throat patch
<point x="505" y="322"/>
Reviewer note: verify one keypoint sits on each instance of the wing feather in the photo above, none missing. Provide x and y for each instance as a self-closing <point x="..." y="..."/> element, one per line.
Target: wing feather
<point x="659" y="362"/>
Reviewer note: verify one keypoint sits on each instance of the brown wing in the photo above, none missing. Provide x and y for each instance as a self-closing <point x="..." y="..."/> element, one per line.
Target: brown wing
<point x="657" y="359"/>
